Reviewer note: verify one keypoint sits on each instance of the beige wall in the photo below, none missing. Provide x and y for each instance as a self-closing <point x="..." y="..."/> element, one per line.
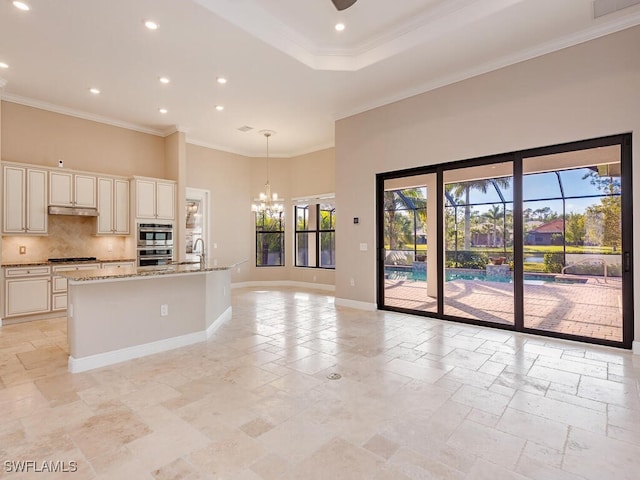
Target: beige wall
<point x="227" y="176"/>
<point x="233" y="182"/>
<point x="582" y="92"/>
<point x="311" y="174"/>
<point x="32" y="135"/>
<point x="175" y="160"/>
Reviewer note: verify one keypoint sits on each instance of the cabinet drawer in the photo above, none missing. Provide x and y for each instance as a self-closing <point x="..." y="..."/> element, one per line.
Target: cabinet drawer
<point x="59" y="301"/>
<point x="60" y="283"/>
<point x="26" y="271"/>
<point x="118" y="265"/>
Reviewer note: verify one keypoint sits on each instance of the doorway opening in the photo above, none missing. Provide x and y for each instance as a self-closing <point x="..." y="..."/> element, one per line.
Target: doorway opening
<point x="197" y="225"/>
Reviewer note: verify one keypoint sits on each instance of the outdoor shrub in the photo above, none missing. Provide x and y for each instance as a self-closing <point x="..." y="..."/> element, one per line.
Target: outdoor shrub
<point x="466" y="259"/>
<point x="553" y="262"/>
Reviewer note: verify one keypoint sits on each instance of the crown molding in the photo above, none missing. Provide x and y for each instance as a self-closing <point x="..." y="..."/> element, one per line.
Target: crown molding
<point x="260" y="23"/>
<point x="30" y="102"/>
<point x="245" y="153"/>
<point x="583" y="36"/>
<point x="314" y="149"/>
<point x="200" y="143"/>
<point x="174" y="129"/>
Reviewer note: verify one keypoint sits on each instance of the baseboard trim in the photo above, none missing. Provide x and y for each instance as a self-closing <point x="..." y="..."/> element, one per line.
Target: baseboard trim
<point x="77" y="365"/>
<point x="285" y="283"/>
<point x="345" y="302"/>
<point x="218" y="322"/>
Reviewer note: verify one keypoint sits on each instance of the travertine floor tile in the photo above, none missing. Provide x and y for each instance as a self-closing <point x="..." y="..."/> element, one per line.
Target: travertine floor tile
<point x="419" y="398"/>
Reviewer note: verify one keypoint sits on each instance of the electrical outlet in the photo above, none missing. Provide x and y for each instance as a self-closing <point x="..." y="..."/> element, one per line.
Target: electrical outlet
<point x="315" y="278"/>
<point x="23" y="250"/>
<point x="109" y="247"/>
<point x="215" y="245"/>
<point x="364" y="247"/>
<point x="352" y="282"/>
<point x="215" y="262"/>
<point x="164" y="310"/>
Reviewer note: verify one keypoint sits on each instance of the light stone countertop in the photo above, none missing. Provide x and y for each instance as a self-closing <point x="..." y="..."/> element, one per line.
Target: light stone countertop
<point x="138" y="272"/>
<point x="45" y="263"/>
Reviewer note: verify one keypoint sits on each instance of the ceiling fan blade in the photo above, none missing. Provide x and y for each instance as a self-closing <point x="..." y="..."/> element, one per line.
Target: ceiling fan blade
<point x="343" y="4"/>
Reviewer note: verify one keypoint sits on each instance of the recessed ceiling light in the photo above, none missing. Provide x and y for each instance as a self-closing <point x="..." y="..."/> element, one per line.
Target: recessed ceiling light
<point x="164" y="80"/>
<point x="21" y="6"/>
<point x="219" y="108"/>
<point x="221" y="80"/>
<point x="94" y="90"/>
<point x="163" y="110"/>
<point x="4" y="65"/>
<point x="340" y="27"/>
<point x="151" y="25"/>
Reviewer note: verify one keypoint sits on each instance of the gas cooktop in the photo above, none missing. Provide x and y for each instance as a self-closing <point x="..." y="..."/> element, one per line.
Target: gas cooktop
<point x="72" y="259"/>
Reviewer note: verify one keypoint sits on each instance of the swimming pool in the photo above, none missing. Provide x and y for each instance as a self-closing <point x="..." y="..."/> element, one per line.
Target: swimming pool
<point x="397" y="272"/>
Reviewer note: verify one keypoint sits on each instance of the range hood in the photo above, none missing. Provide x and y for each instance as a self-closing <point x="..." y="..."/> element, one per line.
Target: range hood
<point x="82" y="212"/>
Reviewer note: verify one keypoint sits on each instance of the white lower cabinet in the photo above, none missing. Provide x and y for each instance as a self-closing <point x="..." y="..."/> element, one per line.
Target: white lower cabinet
<point x="27" y="291"/>
<point x="59" y="290"/>
<point x="41" y="289"/>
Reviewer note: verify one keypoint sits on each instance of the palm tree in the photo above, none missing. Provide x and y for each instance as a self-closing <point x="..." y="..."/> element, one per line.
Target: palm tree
<point x="494" y="214"/>
<point x="464" y="188"/>
<point x="409" y="199"/>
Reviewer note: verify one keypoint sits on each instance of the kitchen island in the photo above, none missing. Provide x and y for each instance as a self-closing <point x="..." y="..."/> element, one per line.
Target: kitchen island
<point x="118" y="315"/>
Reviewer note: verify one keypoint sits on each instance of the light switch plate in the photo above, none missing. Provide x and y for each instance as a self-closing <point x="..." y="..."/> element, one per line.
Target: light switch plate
<point x="364" y="247"/>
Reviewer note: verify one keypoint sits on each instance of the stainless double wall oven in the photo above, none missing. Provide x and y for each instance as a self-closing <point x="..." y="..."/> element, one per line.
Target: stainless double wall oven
<point x="155" y="244"/>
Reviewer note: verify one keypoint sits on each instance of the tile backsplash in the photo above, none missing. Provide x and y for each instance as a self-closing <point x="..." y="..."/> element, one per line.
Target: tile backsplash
<point x="69" y="236"/>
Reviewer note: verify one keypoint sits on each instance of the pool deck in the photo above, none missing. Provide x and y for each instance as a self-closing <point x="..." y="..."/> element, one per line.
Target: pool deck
<point x="592" y="309"/>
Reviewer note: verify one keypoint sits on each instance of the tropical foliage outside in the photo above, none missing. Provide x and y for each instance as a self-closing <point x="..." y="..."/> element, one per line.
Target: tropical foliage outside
<point x="476" y="234"/>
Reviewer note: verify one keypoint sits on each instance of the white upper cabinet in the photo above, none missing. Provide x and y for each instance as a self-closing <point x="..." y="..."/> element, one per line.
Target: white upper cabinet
<point x="165" y="200"/>
<point x="155" y="199"/>
<point x="121" y="206"/>
<point x="68" y="189"/>
<point x="25" y="200"/>
<point x="145" y="198"/>
<point x="85" y="190"/>
<point x="113" y="206"/>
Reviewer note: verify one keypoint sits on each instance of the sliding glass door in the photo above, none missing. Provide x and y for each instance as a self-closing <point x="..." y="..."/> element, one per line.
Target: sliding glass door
<point x="536" y="241"/>
<point x="573" y="247"/>
<point x="408" y="235"/>
<point x="478" y="259"/>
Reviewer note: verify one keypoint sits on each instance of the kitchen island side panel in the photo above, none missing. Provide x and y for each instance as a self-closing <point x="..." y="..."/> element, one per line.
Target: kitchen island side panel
<point x="113" y="315"/>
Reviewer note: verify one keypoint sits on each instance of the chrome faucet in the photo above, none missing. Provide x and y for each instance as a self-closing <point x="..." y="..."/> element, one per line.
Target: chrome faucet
<point x="202" y="254"/>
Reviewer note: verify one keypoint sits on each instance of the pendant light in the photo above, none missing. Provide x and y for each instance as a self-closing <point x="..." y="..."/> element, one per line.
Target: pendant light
<point x="268" y="202"/>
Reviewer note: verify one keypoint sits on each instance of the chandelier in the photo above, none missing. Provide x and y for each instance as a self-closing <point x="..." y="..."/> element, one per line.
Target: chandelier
<point x="268" y="202"/>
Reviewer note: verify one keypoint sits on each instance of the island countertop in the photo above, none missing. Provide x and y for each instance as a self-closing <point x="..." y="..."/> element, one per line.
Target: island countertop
<point x="119" y="314"/>
<point x="132" y="272"/>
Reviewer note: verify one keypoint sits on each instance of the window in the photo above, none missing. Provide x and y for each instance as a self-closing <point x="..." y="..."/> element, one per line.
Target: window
<point x="315" y="236"/>
<point x="269" y="239"/>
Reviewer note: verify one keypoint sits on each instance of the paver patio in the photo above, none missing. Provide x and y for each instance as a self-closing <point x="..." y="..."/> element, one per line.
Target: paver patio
<point x="591" y="309"/>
